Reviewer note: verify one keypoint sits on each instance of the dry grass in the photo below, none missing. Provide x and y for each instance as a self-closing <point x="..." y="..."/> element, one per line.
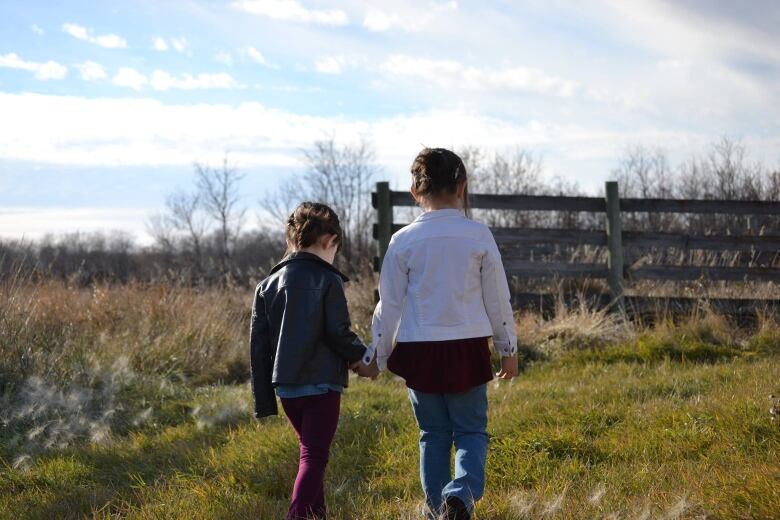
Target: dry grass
<point x="56" y="332"/>
<point x="114" y="405"/>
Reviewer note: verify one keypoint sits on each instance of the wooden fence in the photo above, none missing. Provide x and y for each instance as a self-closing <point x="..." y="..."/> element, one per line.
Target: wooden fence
<point x="612" y="236"/>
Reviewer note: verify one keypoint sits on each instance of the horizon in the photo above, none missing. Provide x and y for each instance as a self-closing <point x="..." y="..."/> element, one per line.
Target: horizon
<point x="107" y="108"/>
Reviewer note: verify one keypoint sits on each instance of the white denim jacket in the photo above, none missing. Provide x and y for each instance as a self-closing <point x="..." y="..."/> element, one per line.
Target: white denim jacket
<point x="442" y="279"/>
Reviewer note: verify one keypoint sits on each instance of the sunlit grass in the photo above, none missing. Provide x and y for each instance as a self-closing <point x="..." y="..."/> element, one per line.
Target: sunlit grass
<point x="607" y="420"/>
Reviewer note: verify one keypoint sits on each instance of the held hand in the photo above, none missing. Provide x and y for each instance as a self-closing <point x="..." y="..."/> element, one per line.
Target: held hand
<point x="508" y="368"/>
<point x="370" y="371"/>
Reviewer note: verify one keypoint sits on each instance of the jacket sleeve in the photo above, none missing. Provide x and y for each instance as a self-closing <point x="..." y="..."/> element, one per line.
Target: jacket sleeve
<point x="261" y="359"/>
<point x="393" y="282"/>
<point x="497" y="300"/>
<point x="338" y="328"/>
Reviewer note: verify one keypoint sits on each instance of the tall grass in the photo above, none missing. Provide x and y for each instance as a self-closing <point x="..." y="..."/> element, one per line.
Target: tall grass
<point x="56" y="332"/>
<point x="130" y="401"/>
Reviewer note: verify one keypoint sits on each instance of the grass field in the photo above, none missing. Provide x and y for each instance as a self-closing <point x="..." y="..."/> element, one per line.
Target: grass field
<point x="130" y="402"/>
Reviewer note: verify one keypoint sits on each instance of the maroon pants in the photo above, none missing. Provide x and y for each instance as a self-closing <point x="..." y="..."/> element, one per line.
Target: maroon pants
<point x="315" y="419"/>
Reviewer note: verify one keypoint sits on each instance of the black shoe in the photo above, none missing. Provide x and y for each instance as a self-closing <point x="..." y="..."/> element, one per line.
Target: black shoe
<point x="455" y="509"/>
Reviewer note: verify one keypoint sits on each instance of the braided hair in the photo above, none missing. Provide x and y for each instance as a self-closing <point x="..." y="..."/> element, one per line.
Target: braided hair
<point x="308" y="222"/>
<point x="438" y="171"/>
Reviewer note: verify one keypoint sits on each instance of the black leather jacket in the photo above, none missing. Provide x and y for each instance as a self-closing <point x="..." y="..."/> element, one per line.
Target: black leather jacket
<point x="300" y="331"/>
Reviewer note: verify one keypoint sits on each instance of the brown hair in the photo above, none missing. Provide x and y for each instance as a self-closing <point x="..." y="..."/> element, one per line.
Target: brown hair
<point x="308" y="222"/>
<point x="436" y="171"/>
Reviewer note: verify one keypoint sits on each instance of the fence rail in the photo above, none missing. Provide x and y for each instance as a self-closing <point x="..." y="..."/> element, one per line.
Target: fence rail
<point x="615" y="271"/>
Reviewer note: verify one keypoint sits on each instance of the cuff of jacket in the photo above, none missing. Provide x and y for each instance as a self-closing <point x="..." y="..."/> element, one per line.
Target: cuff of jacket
<point x="505" y="349"/>
<point x="368" y="356"/>
<point x="265" y="412"/>
<point x="381" y="362"/>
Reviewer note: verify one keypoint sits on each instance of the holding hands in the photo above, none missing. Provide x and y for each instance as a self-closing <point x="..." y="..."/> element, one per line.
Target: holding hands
<point x="370" y="371"/>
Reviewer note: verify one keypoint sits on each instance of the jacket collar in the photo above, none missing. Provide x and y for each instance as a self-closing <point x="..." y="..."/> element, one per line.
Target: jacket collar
<point x="303" y="256"/>
<point x="438" y="213"/>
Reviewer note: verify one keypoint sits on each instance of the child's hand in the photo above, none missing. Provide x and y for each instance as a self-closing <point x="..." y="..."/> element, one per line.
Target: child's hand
<point x="508" y="368"/>
<point x="370" y="371"/>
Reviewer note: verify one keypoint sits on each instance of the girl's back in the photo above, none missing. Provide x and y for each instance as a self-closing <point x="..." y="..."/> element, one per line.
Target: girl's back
<point x="442" y="279"/>
<point x="444" y="253"/>
<point x="443" y="293"/>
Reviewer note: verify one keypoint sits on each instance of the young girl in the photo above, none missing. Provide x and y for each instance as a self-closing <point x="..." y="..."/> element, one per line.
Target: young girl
<point x="302" y="344"/>
<point x="443" y="293"/>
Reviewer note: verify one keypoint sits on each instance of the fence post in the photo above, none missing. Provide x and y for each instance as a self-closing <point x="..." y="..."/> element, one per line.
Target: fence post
<point x="384" y="221"/>
<point x="615" y="245"/>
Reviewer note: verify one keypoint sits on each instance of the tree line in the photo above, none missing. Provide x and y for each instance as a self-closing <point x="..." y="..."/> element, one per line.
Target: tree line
<point x="201" y="235"/>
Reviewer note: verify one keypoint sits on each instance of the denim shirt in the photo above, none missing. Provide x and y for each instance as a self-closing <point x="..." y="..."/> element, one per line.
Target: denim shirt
<point x="292" y="391"/>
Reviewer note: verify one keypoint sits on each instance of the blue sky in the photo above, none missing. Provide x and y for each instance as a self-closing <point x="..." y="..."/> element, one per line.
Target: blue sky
<point x="104" y="106"/>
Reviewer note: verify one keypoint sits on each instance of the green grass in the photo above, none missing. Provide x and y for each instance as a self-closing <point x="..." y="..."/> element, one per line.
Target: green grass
<point x="113" y="404"/>
<point x="569" y="439"/>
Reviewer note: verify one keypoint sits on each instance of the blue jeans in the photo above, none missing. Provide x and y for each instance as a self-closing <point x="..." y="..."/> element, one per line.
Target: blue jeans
<point x="445" y="419"/>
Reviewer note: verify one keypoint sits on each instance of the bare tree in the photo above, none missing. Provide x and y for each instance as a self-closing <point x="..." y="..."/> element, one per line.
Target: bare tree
<point x="518" y="173"/>
<point x="218" y="193"/>
<point x="342" y="176"/>
<point x="339" y="176"/>
<point x="280" y="203"/>
<point x="183" y="226"/>
<point x="645" y="173"/>
<point x="159" y="228"/>
<point x="186" y="216"/>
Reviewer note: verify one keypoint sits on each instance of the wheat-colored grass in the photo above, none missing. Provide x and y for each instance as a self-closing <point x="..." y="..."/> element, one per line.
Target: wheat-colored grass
<point x="115" y="405"/>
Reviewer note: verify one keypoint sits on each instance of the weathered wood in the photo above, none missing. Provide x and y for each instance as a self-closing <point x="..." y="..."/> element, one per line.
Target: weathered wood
<point x="713" y="242"/>
<point x="614" y="244"/>
<point x="506" y="236"/>
<point x="384" y="219"/>
<point x="525" y="236"/>
<point x="517" y="202"/>
<point x="527" y="243"/>
<point x="687" y="273"/>
<point x="595" y="204"/>
<point x="731" y="207"/>
<point x="525" y="268"/>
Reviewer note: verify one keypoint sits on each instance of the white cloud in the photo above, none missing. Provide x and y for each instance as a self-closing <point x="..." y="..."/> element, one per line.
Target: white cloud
<point x="453" y="74"/>
<point x="331" y="64"/>
<point x="224" y="58"/>
<point x="410" y="19"/>
<point x="685" y="28"/>
<point x="108" y="41"/>
<point x="130" y="78"/>
<point x="254" y="55"/>
<point x="179" y="44"/>
<point x="91" y="71"/>
<point x="292" y="11"/>
<point x="42" y="70"/>
<point x="672" y="65"/>
<point x="161" y="80"/>
<point x="380" y="21"/>
<point x="37" y="29"/>
<point x="34" y="223"/>
<point x="159" y="44"/>
<point x="143" y="131"/>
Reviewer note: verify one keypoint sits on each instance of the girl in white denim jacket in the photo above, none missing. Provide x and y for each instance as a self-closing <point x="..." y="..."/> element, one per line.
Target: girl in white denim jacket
<point x="443" y="292"/>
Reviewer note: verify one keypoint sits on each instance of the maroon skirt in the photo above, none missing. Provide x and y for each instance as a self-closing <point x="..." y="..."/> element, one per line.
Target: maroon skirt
<point x="442" y="367"/>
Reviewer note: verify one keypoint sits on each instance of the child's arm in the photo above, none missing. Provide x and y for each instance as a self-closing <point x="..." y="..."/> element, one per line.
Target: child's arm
<point x="495" y="295"/>
<point x="338" y="327"/>
<point x="261" y="359"/>
<point x="393" y="282"/>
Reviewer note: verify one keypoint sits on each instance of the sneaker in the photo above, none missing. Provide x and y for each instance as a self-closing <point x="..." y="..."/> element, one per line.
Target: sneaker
<point x="455" y="509"/>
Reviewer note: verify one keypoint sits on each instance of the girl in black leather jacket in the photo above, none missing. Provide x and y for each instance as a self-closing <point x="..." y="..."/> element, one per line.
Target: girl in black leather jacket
<point x="302" y="347"/>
